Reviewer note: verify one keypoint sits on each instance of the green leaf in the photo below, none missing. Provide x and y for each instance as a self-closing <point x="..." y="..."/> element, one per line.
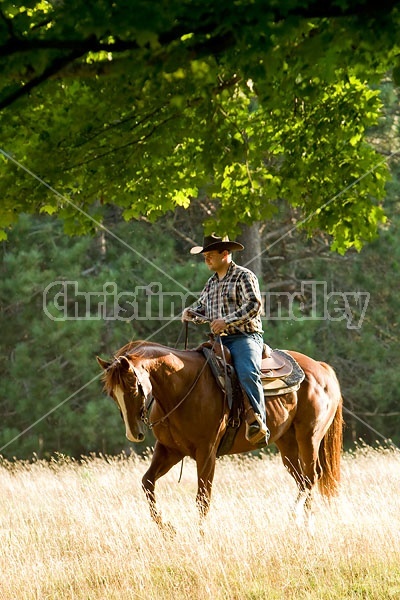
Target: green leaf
<point x="50" y="209"/>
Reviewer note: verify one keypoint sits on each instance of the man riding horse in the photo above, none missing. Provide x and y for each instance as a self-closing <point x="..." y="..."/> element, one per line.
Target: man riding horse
<point x="231" y="302"/>
<point x="172" y="392"/>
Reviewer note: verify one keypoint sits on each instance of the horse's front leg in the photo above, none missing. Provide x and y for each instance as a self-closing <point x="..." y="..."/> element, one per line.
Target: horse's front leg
<point x="205" y="461"/>
<point x="163" y="460"/>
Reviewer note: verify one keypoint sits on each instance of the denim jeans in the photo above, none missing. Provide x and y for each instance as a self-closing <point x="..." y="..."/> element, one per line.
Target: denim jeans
<point x="246" y="351"/>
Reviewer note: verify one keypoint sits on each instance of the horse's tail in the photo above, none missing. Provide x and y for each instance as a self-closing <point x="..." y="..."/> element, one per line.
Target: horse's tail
<point x="330" y="454"/>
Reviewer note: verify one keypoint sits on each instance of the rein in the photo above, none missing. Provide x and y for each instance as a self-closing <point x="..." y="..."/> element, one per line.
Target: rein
<point x="146" y="409"/>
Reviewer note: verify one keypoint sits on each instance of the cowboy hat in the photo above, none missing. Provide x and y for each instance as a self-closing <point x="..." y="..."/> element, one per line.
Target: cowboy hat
<point x="213" y="242"/>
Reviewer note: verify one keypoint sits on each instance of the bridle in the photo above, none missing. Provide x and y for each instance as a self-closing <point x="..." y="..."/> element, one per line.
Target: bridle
<point x="145" y="410"/>
<point x="149" y="399"/>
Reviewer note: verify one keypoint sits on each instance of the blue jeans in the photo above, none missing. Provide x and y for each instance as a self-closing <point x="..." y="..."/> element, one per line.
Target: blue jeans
<point x="246" y="351"/>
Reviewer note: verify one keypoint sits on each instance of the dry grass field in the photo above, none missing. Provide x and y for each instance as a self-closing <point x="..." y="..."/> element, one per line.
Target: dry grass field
<point x="83" y="532"/>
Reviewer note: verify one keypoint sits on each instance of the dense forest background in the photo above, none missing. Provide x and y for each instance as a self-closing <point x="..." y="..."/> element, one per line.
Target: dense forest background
<point x="52" y="399"/>
<point x="128" y="134"/>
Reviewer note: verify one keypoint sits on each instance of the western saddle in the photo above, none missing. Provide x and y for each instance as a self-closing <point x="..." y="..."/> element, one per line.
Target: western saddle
<point x="280" y="375"/>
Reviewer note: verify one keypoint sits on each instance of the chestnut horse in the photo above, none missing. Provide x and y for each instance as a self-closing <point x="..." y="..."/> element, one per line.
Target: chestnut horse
<point x="175" y="393"/>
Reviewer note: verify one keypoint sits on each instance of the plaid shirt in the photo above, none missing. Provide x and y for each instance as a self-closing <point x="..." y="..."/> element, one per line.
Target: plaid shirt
<point x="236" y="298"/>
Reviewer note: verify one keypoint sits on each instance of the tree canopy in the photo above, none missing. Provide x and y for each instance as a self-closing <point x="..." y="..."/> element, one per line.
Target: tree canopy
<point x="148" y="105"/>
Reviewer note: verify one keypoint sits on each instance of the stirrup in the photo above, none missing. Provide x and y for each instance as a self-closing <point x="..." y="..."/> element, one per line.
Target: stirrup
<point x="260" y="434"/>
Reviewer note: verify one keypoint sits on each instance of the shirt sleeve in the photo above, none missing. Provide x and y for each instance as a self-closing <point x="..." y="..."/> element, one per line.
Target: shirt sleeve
<point x="200" y="306"/>
<point x="250" y="307"/>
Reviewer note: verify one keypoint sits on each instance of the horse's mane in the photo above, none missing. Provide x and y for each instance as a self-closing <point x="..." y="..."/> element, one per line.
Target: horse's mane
<point x="137" y="349"/>
<point x="113" y="376"/>
<point x="140" y="350"/>
<point x="116" y="374"/>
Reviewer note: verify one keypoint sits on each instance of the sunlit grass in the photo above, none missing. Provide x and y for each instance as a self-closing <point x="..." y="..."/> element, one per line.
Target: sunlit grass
<point x="83" y="531"/>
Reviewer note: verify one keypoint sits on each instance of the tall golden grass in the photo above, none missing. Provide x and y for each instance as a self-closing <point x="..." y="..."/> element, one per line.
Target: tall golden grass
<point x="83" y="532"/>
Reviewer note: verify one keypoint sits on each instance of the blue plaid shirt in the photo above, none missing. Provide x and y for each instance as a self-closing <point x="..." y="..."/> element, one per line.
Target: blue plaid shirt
<point x="236" y="298"/>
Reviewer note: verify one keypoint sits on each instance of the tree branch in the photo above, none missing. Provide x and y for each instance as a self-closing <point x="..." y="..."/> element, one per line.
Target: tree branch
<point x="123" y="146"/>
<point x="205" y="26"/>
<point x="206" y="38"/>
<point x="55" y="66"/>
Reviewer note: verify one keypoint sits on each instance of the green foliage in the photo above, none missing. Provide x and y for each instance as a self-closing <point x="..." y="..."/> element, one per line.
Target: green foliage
<point x="264" y="111"/>
<point x="51" y="391"/>
<point x="252" y="102"/>
<point x="363" y="350"/>
<point x="52" y="398"/>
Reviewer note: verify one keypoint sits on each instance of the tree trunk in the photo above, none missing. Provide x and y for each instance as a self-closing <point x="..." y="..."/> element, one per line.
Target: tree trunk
<point x="250" y="257"/>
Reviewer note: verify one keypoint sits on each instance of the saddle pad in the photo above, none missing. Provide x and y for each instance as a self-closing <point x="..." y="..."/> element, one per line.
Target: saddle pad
<point x="297" y="375"/>
<point x="279" y="391"/>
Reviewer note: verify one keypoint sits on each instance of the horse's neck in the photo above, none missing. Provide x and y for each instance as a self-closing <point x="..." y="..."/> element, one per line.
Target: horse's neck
<point x="170" y="374"/>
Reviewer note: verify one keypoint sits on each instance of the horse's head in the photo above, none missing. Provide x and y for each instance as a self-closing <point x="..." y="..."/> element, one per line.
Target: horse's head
<point x="129" y="386"/>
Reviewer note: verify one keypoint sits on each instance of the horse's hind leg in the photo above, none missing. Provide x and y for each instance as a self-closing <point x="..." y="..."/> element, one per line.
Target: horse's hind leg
<point x="300" y="457"/>
<point x="287" y="445"/>
<point x="163" y="460"/>
<point x="309" y="443"/>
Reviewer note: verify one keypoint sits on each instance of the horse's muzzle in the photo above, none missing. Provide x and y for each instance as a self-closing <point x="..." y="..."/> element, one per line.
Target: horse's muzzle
<point x="139" y="437"/>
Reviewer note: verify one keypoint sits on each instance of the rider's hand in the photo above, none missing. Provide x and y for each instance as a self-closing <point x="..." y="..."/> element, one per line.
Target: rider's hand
<point x="187" y="315"/>
<point x="218" y="326"/>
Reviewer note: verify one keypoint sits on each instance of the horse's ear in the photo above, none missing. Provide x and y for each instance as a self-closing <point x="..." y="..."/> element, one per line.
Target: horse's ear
<point x="125" y="364"/>
<point x="103" y="363"/>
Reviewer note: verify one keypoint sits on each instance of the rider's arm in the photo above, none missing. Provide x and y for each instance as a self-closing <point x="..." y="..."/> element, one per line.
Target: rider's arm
<point x="196" y="312"/>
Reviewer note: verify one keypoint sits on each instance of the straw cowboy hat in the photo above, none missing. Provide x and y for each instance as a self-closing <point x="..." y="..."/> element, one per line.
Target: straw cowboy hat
<point x="213" y="242"/>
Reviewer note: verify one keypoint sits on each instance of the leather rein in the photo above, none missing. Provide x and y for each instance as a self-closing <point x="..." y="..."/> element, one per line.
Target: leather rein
<point x="147" y="406"/>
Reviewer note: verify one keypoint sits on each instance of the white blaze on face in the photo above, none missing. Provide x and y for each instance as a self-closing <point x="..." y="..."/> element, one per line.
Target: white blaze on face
<point x="119" y="396"/>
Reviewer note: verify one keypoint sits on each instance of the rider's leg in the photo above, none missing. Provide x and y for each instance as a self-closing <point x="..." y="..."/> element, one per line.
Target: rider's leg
<point x="246" y="352"/>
